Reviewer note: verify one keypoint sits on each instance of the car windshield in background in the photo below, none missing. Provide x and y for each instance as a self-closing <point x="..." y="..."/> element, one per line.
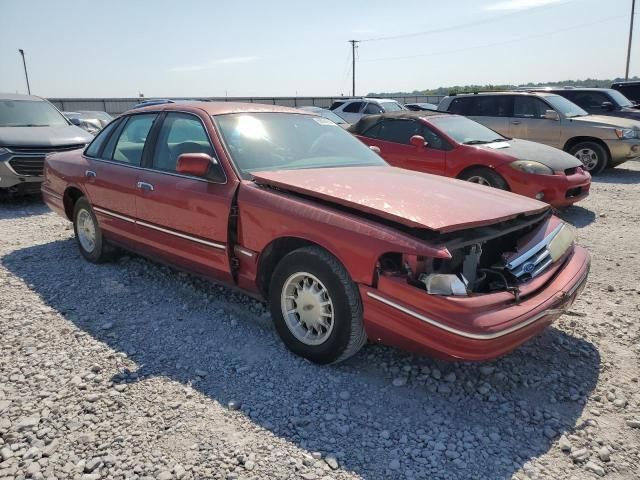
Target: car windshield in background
<point x="619" y="99"/>
<point x="288" y="141"/>
<point x="465" y="130"/>
<point x="30" y="113"/>
<point x="565" y="107"/>
<point x="391" y="106"/>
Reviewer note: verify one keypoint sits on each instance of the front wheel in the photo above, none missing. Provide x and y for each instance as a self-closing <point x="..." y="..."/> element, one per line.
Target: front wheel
<point x="88" y="233"/>
<point x="486" y="177"/>
<point x="593" y="156"/>
<point x="316" y="307"/>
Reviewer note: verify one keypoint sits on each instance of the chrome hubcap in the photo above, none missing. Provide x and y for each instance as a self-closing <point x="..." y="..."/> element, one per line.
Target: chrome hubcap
<point x="479" y="180"/>
<point x="588" y="157"/>
<point x="307" y="308"/>
<point x="86" y="231"/>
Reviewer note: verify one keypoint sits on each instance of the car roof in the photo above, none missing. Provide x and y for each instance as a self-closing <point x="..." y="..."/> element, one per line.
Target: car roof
<point x="17" y="96"/>
<point x="369" y="120"/>
<point x="222" y="108"/>
<point x="541" y="93"/>
<point x="566" y="89"/>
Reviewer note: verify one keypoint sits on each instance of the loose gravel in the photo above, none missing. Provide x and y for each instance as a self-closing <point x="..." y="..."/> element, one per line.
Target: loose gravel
<point x="132" y="370"/>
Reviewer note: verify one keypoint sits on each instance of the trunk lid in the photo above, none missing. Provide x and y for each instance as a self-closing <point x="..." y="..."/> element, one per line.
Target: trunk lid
<point x="413" y="199"/>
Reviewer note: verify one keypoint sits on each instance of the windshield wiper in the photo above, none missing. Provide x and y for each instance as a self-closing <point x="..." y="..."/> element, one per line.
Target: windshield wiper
<point x="498" y="140"/>
<point x="475" y="142"/>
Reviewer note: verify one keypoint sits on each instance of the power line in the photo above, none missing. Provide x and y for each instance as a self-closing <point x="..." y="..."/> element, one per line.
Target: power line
<point x="574" y="27"/>
<point x="463" y="25"/>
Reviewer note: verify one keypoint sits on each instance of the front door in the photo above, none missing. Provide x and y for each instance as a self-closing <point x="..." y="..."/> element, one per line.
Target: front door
<point x="185" y="219"/>
<point x="528" y="122"/>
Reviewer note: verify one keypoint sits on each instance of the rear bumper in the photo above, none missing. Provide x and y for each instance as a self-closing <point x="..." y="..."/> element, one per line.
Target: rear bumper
<point x="468" y="328"/>
<point x="558" y="190"/>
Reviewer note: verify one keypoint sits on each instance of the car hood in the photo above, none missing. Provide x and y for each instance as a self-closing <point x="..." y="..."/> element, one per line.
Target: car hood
<point x="552" y="157"/>
<point x="43" y="136"/>
<point x="606" y="121"/>
<point x="409" y="198"/>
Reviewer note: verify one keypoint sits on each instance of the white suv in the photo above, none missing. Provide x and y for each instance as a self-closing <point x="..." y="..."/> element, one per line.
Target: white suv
<point x="354" y="109"/>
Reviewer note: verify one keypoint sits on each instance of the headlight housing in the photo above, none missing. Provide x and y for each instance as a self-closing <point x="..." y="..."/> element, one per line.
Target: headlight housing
<point x="531" y="166"/>
<point x="626" y="133"/>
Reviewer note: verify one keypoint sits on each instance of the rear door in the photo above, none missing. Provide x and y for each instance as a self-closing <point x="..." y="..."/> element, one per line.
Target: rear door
<point x="184" y="219"/>
<point x="113" y="166"/>
<point x="351" y="112"/>
<point x="393" y="136"/>
<point x="528" y="121"/>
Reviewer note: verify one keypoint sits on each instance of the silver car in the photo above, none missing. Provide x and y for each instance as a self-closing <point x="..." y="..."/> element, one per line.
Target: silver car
<point x="30" y="127"/>
<point x="597" y="140"/>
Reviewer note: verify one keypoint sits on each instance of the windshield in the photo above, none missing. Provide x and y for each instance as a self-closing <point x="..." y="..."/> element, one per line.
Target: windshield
<point x="30" y="113"/>
<point x="465" y="130"/>
<point x="564" y="106"/>
<point x="391" y="106"/>
<point x="619" y="99"/>
<point x="331" y="116"/>
<point x="288" y="141"/>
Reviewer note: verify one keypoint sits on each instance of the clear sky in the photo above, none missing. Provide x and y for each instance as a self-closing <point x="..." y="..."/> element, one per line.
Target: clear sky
<point x="110" y="48"/>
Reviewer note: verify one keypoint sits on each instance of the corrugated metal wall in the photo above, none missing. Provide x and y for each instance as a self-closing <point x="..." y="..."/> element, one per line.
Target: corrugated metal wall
<point x="115" y="106"/>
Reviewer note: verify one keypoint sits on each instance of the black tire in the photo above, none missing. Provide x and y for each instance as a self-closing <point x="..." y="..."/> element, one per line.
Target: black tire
<point x="582" y="151"/>
<point x="101" y="252"/>
<point x="347" y="335"/>
<point x="491" y="178"/>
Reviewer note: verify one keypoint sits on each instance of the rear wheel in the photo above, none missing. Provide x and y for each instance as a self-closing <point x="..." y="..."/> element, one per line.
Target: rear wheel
<point x="484" y="176"/>
<point x="594" y="157"/>
<point x="88" y="233"/>
<point x="316" y="307"/>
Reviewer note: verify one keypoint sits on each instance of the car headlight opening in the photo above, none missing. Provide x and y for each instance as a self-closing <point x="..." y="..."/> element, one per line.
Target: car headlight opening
<point x="626" y="133"/>
<point x="531" y="166"/>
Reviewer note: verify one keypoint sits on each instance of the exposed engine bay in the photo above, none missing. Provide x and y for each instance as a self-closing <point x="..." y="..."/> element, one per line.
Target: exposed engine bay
<point x="486" y="260"/>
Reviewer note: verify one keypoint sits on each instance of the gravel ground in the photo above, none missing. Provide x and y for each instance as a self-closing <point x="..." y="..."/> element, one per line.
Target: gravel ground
<point x="134" y="370"/>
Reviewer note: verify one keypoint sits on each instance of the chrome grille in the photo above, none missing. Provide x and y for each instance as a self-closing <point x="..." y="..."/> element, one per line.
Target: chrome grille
<point x="535" y="260"/>
<point x="27" y="166"/>
<point x="41" y="150"/>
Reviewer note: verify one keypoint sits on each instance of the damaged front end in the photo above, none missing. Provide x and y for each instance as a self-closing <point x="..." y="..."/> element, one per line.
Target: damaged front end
<point x="490" y="259"/>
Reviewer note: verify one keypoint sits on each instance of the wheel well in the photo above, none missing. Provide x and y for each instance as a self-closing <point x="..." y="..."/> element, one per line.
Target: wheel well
<point x="575" y="140"/>
<point x="484" y="167"/>
<point x="71" y="196"/>
<point x="271" y="256"/>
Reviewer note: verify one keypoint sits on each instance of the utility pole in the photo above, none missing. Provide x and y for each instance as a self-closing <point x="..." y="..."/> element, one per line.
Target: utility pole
<point x="26" y="75"/>
<point x="354" y="45"/>
<point x="633" y="7"/>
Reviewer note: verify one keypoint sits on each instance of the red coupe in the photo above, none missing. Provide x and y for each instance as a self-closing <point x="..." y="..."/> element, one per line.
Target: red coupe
<point x="456" y="146"/>
<point x="292" y="208"/>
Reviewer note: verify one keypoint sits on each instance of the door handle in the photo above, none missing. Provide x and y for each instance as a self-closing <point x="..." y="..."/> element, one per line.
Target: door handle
<point x="90" y="174"/>
<point x="145" y="186"/>
<point x="515" y="122"/>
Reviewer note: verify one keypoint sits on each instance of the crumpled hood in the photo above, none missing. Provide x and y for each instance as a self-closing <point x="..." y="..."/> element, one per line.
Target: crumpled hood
<point x="43" y="136"/>
<point x="410" y="198"/>
<point x="553" y="158"/>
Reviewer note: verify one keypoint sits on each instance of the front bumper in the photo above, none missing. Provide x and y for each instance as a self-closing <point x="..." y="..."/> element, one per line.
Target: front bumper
<point x="623" y="150"/>
<point x="480" y="327"/>
<point x="11" y="180"/>
<point x="558" y="190"/>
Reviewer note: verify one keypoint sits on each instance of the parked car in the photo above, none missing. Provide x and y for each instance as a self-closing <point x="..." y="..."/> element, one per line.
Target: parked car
<point x="631" y="90"/>
<point x="456" y="146"/>
<point x="31" y="127"/>
<point x="289" y="207"/>
<point x="598" y="101"/>
<point x="323" y="112"/>
<point x="91" y="125"/>
<point x="597" y="141"/>
<point x="353" y="109"/>
<point x="103" y="117"/>
<point x="417" y="107"/>
<point x="161" y="101"/>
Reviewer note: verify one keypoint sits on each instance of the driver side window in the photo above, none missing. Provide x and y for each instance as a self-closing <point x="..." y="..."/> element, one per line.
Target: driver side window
<point x="529" y="107"/>
<point x="180" y="133"/>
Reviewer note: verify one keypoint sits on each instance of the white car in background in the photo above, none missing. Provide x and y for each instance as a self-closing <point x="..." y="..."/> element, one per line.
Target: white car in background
<point x="353" y="109"/>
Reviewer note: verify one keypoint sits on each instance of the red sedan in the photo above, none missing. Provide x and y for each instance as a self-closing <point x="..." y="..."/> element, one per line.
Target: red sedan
<point x="292" y="208"/>
<point x="458" y="147"/>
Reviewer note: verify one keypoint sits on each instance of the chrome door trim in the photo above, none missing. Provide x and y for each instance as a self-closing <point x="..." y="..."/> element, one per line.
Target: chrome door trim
<point x="181" y="235"/>
<point x="461" y="333"/>
<point x="115" y="215"/>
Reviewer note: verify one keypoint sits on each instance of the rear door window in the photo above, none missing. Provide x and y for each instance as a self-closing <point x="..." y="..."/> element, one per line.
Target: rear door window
<point x="353" y="107"/>
<point x="131" y="141"/>
<point x="372" y="109"/>
<point x="95" y="147"/>
<point x="461" y="105"/>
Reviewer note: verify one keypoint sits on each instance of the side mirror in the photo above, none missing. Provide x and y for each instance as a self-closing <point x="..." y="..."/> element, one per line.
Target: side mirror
<point x="418" y="141"/>
<point x="551" y="115"/>
<point x="196" y="164"/>
<point x="607" y="106"/>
